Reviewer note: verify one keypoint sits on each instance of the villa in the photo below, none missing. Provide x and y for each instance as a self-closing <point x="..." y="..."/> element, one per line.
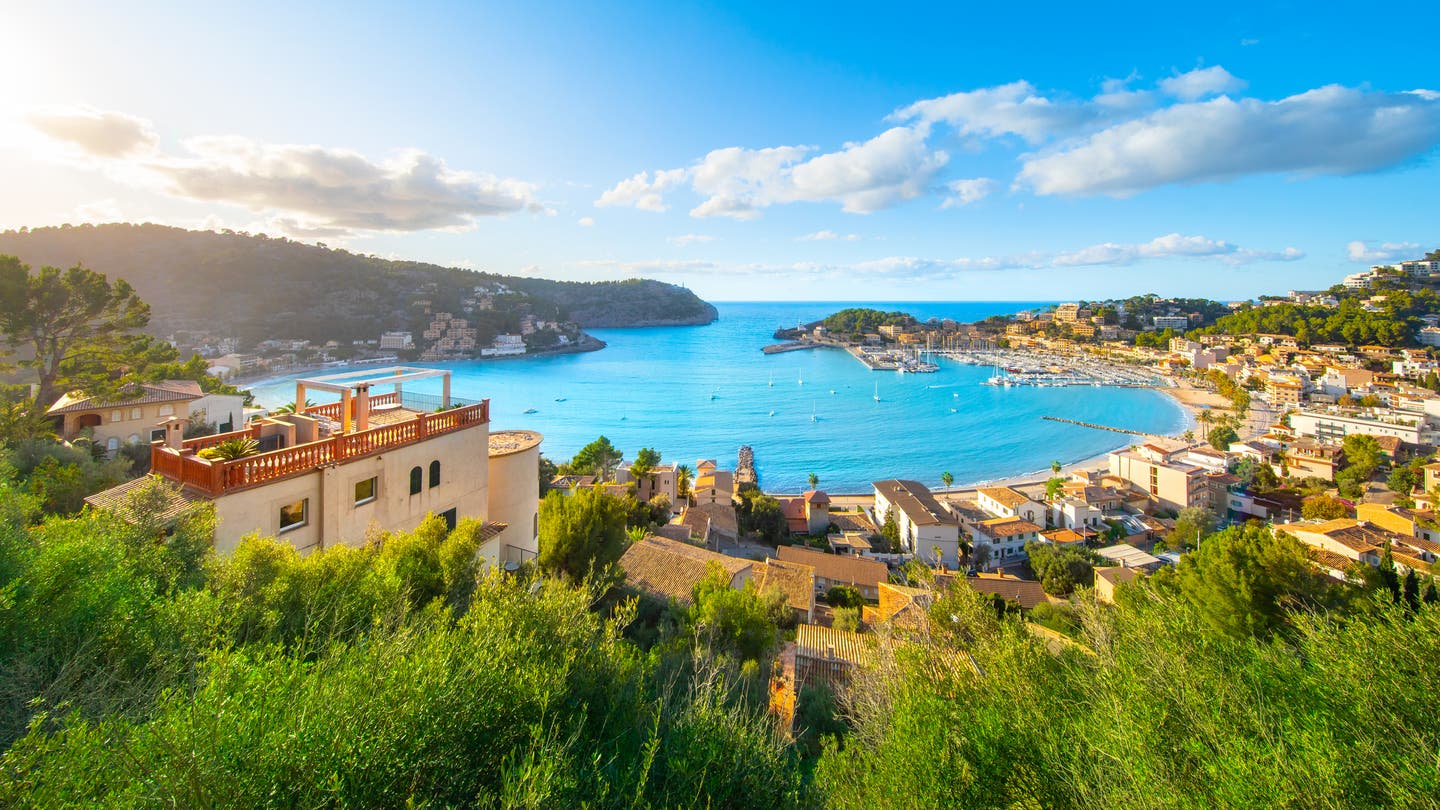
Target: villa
<point x="138" y="418"/>
<point x="325" y="474"/>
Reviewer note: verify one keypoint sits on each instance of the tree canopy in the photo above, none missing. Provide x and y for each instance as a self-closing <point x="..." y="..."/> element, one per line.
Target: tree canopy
<point x="581" y="534"/>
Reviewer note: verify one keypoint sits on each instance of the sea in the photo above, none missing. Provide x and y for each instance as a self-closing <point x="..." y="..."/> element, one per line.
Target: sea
<point x="700" y="392"/>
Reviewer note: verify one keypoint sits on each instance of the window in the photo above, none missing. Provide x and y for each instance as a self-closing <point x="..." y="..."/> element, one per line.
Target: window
<point x="116" y="415"/>
<point x="167" y="410"/>
<point x="434" y="474"/>
<point x="135" y="413"/>
<point x="449" y="517"/>
<point x="293" y="515"/>
<point x="112" y="444"/>
<point x="134" y="438"/>
<point x="365" y="491"/>
<point x="417" y="477"/>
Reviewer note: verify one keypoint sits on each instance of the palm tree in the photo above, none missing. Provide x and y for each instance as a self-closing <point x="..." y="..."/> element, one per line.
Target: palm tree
<point x="683" y="477"/>
<point x="1188" y="436"/>
<point x="1206" y="419"/>
<point x="289" y="407"/>
<point x="814" y="481"/>
<point x="230" y="449"/>
<point x="1056" y="466"/>
<point x="947" y="479"/>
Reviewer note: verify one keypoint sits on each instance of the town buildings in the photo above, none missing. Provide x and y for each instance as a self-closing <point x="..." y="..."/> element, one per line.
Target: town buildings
<point x="140" y="417"/>
<point x="926" y="528"/>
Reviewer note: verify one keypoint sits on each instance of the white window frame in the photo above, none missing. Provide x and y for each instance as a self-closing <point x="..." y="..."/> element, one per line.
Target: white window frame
<point x="304" y="515"/>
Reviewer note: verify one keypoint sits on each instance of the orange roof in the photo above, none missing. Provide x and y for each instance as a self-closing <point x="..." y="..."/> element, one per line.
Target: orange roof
<point x="672" y="569"/>
<point x="836" y="567"/>
<point x="1003" y="495"/>
<point x="150" y="393"/>
<point x="796" y="581"/>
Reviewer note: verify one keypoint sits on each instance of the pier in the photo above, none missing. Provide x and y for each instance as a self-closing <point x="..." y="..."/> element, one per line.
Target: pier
<point x="1095" y="426"/>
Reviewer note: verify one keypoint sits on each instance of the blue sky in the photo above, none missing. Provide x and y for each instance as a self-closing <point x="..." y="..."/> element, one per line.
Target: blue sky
<point x="805" y="151"/>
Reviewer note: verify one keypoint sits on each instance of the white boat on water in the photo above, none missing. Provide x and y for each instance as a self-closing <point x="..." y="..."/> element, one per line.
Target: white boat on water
<point x="801" y="379"/>
<point x="877" y="392"/>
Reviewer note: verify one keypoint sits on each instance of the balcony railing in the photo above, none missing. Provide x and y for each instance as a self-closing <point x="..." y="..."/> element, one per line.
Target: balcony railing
<point x="220" y="476"/>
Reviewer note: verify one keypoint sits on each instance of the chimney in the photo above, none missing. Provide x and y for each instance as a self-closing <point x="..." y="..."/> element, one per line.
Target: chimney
<point x="174" y="432"/>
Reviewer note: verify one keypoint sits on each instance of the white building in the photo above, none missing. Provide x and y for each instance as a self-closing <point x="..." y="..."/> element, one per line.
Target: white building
<point x="1332" y="428"/>
<point x="1171" y="322"/>
<point x="924" y="524"/>
<point x="397" y="340"/>
<point x="1359" y="281"/>
<point x="1009" y="503"/>
<point x="1429" y="336"/>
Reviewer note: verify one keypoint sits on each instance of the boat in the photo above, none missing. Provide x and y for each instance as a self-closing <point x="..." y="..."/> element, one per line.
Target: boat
<point x="832" y="392"/>
<point x="954" y="410"/>
<point x="714" y="396"/>
<point x="772" y="380"/>
<point x="531" y="410"/>
<point x="560" y="399"/>
<point x="877" y="392"/>
<point x="813" y="416"/>
<point x="772" y="413"/>
<point x="801" y="379"/>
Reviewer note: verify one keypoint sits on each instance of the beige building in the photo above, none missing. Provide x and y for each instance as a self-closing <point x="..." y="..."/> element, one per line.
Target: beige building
<point x="925" y="526"/>
<point x="513" y="496"/>
<point x="130" y="421"/>
<point x="326" y="474"/>
<point x="1158" y="472"/>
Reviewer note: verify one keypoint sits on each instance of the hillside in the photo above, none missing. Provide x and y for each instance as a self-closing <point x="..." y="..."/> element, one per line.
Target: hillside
<point x="256" y="287"/>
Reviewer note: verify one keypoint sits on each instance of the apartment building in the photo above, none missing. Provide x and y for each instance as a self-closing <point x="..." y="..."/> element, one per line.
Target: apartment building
<point x="925" y="525"/>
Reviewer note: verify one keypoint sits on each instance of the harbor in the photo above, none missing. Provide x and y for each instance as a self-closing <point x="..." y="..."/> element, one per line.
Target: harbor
<point x="1014" y="368"/>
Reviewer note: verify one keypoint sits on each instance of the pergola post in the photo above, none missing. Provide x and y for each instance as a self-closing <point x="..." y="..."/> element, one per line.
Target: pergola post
<point x="362" y="408"/>
<point x="445" y="392"/>
<point x="299" y="397"/>
<point x="345" y="410"/>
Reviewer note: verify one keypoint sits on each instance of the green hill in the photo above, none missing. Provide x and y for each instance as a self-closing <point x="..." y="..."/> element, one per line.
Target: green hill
<point x="257" y="287"/>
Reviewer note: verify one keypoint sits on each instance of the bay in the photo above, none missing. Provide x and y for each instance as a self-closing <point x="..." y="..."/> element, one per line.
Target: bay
<point x="695" y="392"/>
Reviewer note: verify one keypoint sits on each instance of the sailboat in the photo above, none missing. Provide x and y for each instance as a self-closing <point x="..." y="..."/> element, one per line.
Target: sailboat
<point x="772" y="380"/>
<point x="877" y="392"/>
<point x="801" y="380"/>
<point x="813" y="416"/>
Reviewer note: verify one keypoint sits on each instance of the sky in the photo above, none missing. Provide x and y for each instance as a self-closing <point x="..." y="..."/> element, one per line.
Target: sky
<point x="750" y="151"/>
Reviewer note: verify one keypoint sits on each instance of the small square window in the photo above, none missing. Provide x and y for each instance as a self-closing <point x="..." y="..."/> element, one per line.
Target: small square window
<point x="167" y="410"/>
<point x="294" y="515"/>
<point x="365" y="491"/>
<point x="116" y="415"/>
<point x="135" y="413"/>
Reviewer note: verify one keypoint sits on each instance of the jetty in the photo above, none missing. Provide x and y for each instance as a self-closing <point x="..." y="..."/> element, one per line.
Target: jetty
<point x="1095" y="426"/>
<point x="790" y="346"/>
<point x="745" y="468"/>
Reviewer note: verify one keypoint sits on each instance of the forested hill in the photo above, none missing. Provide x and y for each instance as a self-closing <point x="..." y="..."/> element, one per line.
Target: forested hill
<point x="256" y="287"/>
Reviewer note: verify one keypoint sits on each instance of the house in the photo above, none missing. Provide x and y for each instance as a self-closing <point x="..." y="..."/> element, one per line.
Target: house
<point x="853" y="544"/>
<point x="1063" y="537"/>
<point x="659" y="481"/>
<point x="1307" y="457"/>
<point x="133" y="420"/>
<point x="925" y="526"/>
<point x="1005" y="537"/>
<point x="669" y="569"/>
<point x="724" y="524"/>
<point x="1075" y="513"/>
<point x="1128" y="556"/>
<point x="712" y="485"/>
<point x="834" y="569"/>
<point x="807" y="514"/>
<point x="1026" y="593"/>
<point x="1408" y="522"/>
<point x="1360" y="541"/>
<point x="697" y="526"/>
<point x="325" y="474"/>
<point x="513" y="466"/>
<point x="1109" y="578"/>
<point x="1007" y="502"/>
<point x="795" y="580"/>
<point x="903" y="607"/>
<point x="817" y="655"/>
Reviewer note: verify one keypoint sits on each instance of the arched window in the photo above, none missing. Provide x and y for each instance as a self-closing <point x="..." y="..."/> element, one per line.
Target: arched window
<point x="113" y="443"/>
<point x="435" y="473"/>
<point x="416" y="476"/>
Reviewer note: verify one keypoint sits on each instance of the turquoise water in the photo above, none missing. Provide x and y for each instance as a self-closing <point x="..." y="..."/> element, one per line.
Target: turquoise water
<point x="696" y="392"/>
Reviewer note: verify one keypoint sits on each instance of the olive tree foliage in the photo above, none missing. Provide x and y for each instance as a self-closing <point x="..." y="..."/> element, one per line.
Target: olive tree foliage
<point x="583" y="533"/>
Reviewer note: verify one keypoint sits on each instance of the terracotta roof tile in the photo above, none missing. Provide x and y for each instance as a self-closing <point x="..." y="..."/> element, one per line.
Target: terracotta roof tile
<point x="163" y="391"/>
<point x="836" y="567"/>
<point x="672" y="569"/>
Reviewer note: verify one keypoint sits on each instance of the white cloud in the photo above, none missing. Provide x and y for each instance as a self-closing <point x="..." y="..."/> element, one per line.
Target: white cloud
<point x="736" y="182"/>
<point x="642" y="192"/>
<point x="1008" y="109"/>
<point x="918" y="268"/>
<point x="315" y="190"/>
<point x="97" y="133"/>
<point x="98" y="211"/>
<point x="586" y="222"/>
<point x="1370" y="253"/>
<point x="689" y="239"/>
<point x="1331" y="130"/>
<point x="1201" y="83"/>
<point x="826" y="236"/>
<point x="965" y="192"/>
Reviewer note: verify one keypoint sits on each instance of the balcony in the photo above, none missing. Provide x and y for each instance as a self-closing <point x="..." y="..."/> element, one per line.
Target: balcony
<point x="400" y="426"/>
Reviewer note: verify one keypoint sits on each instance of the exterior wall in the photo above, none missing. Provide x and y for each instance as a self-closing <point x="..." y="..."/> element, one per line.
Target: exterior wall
<point x="124" y="423"/>
<point x="1073" y="514"/>
<point x="332" y="515"/>
<point x="1332" y="427"/>
<point x="1168" y="486"/>
<point x="220" y="409"/>
<point x="514" y="499"/>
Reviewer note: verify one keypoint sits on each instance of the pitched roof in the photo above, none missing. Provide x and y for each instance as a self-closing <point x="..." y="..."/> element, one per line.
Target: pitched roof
<point x="795" y="580"/>
<point x="722" y="516"/>
<point x="117" y="500"/>
<point x="837" y="567"/>
<point x="1026" y="593"/>
<point x="1008" y="527"/>
<point x="1004" y="496"/>
<point x="814" y="641"/>
<point x="914" y="499"/>
<point x="1063" y="536"/>
<point x="163" y="391"/>
<point x="672" y="569"/>
<point x="852" y="522"/>
<point x="696" y="521"/>
<point x="1116" y="575"/>
<point x="816" y="496"/>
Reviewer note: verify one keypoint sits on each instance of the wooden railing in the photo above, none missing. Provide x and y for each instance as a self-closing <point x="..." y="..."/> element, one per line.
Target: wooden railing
<point x="220" y="476"/>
